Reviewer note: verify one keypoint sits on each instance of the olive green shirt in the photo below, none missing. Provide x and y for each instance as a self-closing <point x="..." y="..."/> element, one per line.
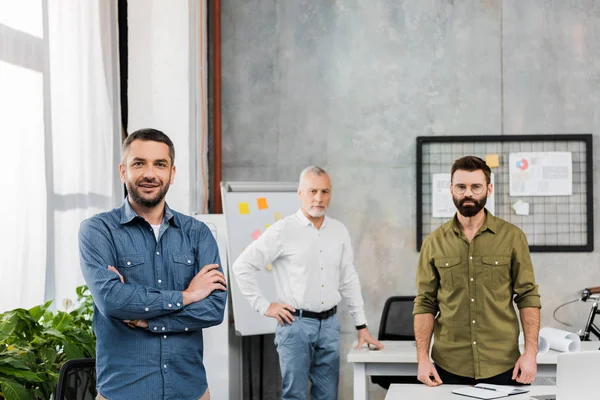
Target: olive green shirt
<point x="472" y="286"/>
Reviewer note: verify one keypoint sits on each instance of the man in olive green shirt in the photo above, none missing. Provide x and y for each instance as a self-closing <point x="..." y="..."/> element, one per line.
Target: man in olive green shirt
<point x="470" y="270"/>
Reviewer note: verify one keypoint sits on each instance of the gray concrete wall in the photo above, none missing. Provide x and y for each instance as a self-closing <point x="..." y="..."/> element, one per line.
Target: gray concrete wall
<point x="349" y="84"/>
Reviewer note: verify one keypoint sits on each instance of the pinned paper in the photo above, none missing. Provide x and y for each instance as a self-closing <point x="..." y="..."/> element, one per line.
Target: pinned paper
<point x="277" y="216"/>
<point x="244" y="208"/>
<point x="492" y="160"/>
<point x="269" y="267"/>
<point x="262" y="203"/>
<point x="255" y="235"/>
<point x="521" y="207"/>
<point x="267" y="226"/>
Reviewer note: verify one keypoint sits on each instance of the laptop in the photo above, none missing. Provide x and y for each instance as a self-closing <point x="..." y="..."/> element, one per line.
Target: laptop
<point x="576" y="376"/>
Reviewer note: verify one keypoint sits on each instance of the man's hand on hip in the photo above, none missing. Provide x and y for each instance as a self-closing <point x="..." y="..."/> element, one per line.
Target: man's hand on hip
<point x="203" y="284"/>
<point x="364" y="337"/>
<point x="281" y="312"/>
<point x="427" y="373"/>
<point x="525" y="368"/>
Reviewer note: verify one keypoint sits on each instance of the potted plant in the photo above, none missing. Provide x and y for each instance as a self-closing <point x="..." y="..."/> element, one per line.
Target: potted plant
<point x="35" y="343"/>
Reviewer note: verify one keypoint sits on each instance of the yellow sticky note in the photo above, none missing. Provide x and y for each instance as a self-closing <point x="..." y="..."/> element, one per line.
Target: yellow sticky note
<point x="277" y="216"/>
<point x="267" y="226"/>
<point x="262" y="203"/>
<point x="269" y="267"/>
<point x="244" y="208"/>
<point x="492" y="160"/>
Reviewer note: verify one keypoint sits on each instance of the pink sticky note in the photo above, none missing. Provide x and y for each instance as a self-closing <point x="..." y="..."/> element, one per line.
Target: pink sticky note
<point x="255" y="235"/>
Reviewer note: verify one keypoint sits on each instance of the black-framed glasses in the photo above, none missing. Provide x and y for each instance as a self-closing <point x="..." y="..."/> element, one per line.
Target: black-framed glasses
<point x="476" y="188"/>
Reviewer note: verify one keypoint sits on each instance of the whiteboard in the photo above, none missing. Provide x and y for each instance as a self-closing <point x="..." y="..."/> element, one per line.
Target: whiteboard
<point x="250" y="208"/>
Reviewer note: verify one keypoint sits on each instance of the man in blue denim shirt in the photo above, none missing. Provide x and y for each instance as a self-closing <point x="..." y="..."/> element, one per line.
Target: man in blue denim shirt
<point x="156" y="280"/>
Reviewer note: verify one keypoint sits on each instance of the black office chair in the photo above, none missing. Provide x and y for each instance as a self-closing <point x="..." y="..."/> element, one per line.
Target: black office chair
<point x="77" y="380"/>
<point x="396" y="324"/>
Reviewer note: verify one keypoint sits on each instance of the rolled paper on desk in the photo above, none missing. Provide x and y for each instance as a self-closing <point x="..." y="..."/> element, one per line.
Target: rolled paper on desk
<point x="563" y="341"/>
<point x="543" y="345"/>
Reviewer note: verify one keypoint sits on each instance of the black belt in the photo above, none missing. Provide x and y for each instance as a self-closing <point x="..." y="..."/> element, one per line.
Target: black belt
<point x="316" y="315"/>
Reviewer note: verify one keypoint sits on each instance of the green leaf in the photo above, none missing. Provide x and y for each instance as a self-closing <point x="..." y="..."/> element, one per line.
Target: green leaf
<point x="48" y="355"/>
<point x="38" y="311"/>
<point x="20" y="373"/>
<point x="14" y="361"/>
<point x="72" y="351"/>
<point x="8" y="323"/>
<point x="14" y="391"/>
<point x="54" y="333"/>
<point x="62" y="320"/>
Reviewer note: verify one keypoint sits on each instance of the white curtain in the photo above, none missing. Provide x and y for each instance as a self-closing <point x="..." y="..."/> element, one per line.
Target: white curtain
<point x="63" y="126"/>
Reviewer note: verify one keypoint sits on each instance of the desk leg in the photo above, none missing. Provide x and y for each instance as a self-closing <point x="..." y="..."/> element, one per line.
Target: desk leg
<point x="360" y="382"/>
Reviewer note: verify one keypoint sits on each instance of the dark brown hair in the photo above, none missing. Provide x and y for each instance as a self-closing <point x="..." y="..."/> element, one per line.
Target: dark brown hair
<point x="471" y="163"/>
<point x="152" y="135"/>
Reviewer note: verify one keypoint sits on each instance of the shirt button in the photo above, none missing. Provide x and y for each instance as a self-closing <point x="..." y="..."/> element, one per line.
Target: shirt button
<point x="471" y="279"/>
<point x="473" y="321"/>
<point x="128" y="262"/>
<point x="178" y="304"/>
<point x="189" y="261"/>
<point x="472" y="299"/>
<point x="163" y="328"/>
<point x="165" y="366"/>
<point x="165" y="336"/>
<point x="474" y="342"/>
<point x="471" y="257"/>
<point x="154" y="328"/>
<point x="186" y="329"/>
<point x="496" y="262"/>
<point x="447" y="264"/>
<point x="146" y="309"/>
<point x="322" y="285"/>
<point x="322" y="303"/>
<point x="158" y="253"/>
<point x="160" y="281"/>
<point x="170" y="305"/>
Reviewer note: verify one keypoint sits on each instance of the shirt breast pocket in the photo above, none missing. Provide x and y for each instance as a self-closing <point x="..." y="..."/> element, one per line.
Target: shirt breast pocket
<point x="184" y="269"/>
<point x="448" y="269"/>
<point x="131" y="267"/>
<point x="498" y="271"/>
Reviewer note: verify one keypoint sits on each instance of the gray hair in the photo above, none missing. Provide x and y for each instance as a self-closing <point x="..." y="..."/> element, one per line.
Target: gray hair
<point x="313" y="169"/>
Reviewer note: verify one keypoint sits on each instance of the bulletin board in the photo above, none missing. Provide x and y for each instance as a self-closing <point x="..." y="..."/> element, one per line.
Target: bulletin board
<point x="553" y="223"/>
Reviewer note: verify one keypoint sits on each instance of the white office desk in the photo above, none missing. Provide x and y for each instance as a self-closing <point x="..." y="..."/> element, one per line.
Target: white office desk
<point x="400" y="358"/>
<point x="444" y="392"/>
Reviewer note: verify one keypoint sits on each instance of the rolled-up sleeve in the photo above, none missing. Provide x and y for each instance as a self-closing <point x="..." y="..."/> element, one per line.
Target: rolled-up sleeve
<point x="524" y="286"/>
<point x="427" y="281"/>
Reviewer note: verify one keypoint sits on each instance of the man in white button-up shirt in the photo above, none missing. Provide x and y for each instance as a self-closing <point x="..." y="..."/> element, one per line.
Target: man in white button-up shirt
<point x="313" y="267"/>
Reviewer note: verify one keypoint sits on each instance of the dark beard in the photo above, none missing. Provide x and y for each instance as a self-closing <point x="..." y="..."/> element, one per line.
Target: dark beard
<point x="469" y="211"/>
<point x="148" y="203"/>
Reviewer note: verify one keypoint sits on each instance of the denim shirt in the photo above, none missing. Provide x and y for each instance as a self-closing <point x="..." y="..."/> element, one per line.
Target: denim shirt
<point x="163" y="361"/>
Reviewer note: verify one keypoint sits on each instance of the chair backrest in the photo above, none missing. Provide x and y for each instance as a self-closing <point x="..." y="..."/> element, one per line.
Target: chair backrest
<point x="77" y="380"/>
<point x="397" y="320"/>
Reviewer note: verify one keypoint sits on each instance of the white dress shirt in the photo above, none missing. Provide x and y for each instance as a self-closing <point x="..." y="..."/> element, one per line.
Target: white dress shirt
<point x="313" y="268"/>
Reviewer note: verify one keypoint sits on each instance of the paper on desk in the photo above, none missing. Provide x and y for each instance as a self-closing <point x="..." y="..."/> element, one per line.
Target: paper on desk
<point x="560" y="340"/>
<point x="479" y="393"/>
<point x="543" y="345"/>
